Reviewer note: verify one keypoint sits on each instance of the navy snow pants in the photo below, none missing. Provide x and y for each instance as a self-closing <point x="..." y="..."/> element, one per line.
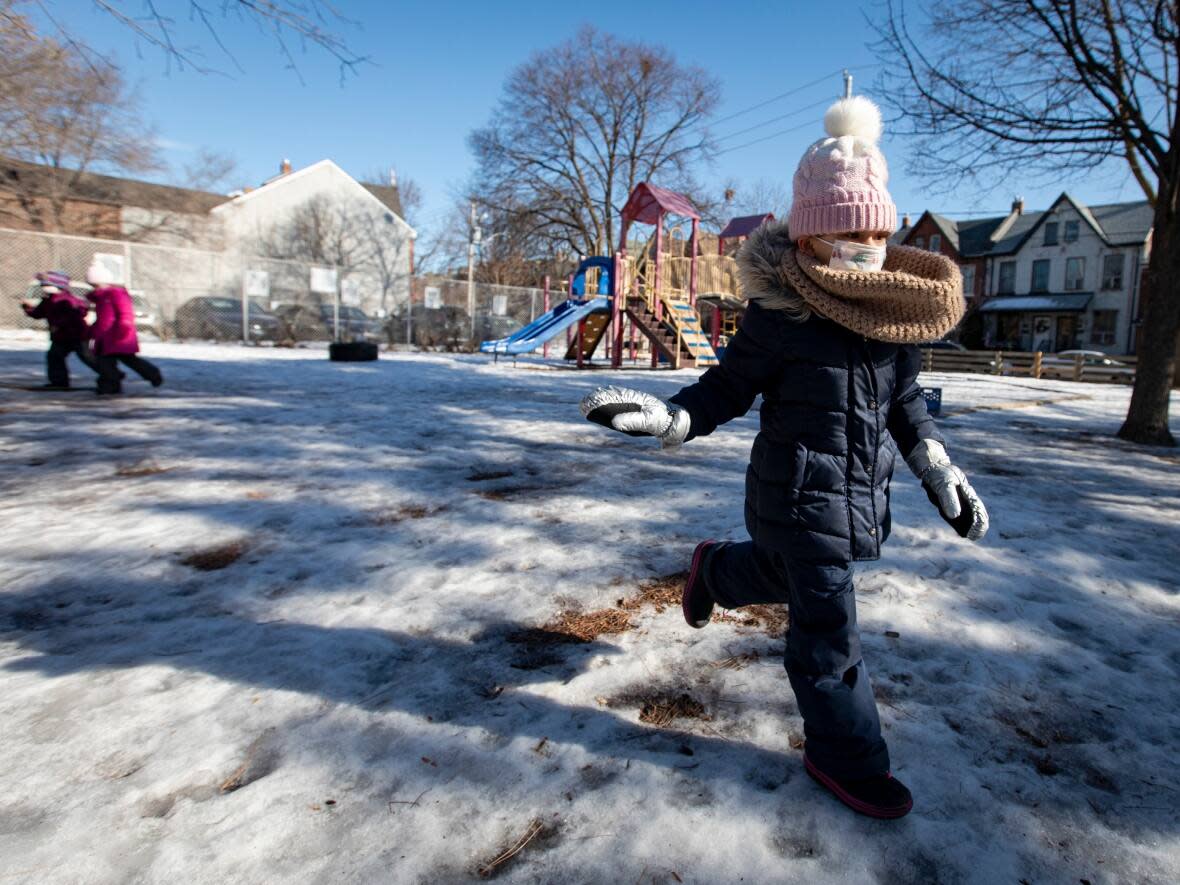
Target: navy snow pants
<point x="55" y="360"/>
<point x="823" y="657"/>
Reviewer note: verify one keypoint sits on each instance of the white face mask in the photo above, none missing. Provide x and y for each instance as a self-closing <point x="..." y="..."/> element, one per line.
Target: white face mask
<point x="847" y="255"/>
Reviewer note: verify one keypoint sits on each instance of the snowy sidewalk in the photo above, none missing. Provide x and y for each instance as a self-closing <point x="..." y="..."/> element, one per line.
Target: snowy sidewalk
<point x="289" y="621"/>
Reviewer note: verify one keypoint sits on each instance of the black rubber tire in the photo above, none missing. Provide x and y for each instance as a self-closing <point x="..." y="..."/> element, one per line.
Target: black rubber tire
<point x="352" y="351"/>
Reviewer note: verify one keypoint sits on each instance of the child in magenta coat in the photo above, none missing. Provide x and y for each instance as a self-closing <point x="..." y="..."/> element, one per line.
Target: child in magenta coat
<point x="115" y="339"/>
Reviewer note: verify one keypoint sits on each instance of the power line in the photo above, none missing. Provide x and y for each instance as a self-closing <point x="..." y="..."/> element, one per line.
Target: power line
<point x="786" y="94"/>
<point x="747" y="144"/>
<point x="793" y="113"/>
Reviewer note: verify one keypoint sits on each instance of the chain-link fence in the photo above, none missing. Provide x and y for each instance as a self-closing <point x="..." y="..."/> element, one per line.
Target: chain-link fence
<point x="192" y="293"/>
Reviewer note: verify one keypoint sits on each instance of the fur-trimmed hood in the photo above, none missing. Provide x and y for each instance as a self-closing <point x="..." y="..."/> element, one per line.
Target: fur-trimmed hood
<point x="762" y="271"/>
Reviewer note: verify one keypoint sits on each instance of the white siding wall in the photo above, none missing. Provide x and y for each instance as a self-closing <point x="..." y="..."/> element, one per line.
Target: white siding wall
<point x="250" y="217"/>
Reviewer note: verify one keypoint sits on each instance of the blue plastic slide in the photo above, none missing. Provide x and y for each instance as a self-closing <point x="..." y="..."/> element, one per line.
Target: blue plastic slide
<point x="546" y="327"/>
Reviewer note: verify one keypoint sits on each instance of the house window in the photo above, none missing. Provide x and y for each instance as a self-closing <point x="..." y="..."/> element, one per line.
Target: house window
<point x="968" y="271"/>
<point x="1075" y="273"/>
<point x="919" y="242"/>
<point x="1050" y="233"/>
<point x="1007" y="283"/>
<point x="1112" y="271"/>
<point x="935" y="242"/>
<point x="1102" y="326"/>
<point x="1071" y="231"/>
<point x="1040" y="275"/>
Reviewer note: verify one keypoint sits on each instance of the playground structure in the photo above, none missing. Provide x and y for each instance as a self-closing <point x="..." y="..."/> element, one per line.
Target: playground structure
<point x="654" y="293"/>
<point x="595" y="275"/>
<point x="721" y="286"/>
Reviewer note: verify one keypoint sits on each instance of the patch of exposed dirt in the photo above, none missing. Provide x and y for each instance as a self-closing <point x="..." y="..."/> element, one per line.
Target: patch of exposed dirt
<point x="482" y="475"/>
<point x="211" y="559"/>
<point x="401" y="514"/>
<point x="571" y="626"/>
<point x="660" y="593"/>
<point x="140" y="468"/>
<point x="660" y="707"/>
<point x="774" y="619"/>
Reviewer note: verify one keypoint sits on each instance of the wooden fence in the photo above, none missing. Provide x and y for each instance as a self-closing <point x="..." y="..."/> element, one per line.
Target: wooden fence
<point x="1031" y="364"/>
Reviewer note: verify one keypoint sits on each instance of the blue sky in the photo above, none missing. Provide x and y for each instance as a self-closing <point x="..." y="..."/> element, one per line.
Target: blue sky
<point x="437" y="70"/>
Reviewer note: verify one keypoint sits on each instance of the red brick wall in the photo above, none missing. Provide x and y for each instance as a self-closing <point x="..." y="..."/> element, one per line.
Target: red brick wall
<point x="81" y="218"/>
<point x="926" y="228"/>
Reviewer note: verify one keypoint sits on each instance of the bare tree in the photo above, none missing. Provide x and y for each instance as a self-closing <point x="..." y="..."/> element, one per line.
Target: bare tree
<point x="210" y="170"/>
<point x="997" y="87"/>
<point x="66" y="114"/>
<point x="409" y="193"/>
<point x="289" y="23"/>
<point x="333" y="232"/>
<point x="321" y="231"/>
<point x="580" y="124"/>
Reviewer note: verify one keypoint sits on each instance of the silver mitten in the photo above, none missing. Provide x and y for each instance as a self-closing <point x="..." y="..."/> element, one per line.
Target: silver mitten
<point x="948" y="489"/>
<point x="637" y="414"/>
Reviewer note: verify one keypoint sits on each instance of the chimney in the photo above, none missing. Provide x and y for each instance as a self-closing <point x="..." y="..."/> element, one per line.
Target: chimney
<point x="1018" y="206"/>
<point x="285" y="167"/>
<point x="392" y="177"/>
<point x="905" y="220"/>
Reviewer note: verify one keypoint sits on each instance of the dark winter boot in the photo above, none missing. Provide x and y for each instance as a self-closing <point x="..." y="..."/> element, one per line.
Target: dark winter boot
<point x="697" y="601"/>
<point x="882" y="795"/>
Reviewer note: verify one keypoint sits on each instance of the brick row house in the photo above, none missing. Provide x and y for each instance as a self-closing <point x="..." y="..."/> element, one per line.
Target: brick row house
<point x="1063" y="278"/>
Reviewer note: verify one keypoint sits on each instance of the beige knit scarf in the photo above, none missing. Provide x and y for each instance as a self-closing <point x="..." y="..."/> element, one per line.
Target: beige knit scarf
<point x="916" y="297"/>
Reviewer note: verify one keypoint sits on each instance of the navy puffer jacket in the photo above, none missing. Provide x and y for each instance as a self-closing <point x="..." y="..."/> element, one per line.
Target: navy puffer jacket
<point x="836" y="406"/>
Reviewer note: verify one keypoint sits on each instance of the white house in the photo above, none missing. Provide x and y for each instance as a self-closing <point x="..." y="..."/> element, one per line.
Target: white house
<point x="1064" y="278"/>
<point x="1067" y="277"/>
<point x="378" y="280"/>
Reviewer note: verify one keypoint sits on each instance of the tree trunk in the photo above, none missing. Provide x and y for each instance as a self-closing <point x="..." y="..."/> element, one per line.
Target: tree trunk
<point x="1147" y="418"/>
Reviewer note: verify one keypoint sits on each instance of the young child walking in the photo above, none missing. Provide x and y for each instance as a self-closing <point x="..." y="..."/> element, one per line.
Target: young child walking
<point x="65" y="313"/>
<point x="115" y="338"/>
<point x="828" y="340"/>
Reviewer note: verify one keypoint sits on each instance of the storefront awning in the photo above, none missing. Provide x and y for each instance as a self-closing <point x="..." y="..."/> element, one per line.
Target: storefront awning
<point x="1075" y="302"/>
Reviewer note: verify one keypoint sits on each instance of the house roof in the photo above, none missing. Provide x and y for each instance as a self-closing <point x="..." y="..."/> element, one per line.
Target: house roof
<point x="1125" y="223"/>
<point x="1071" y="302"/>
<point x="1118" y="224"/>
<point x="975" y="234"/>
<point x="387" y="194"/>
<point x="743" y="225"/>
<point x="648" y="201"/>
<point x="948" y="228"/>
<point x="111" y="190"/>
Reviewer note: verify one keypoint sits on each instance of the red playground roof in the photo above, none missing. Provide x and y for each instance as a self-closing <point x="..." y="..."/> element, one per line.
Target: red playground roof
<point x="740" y="227"/>
<point x="648" y="201"/>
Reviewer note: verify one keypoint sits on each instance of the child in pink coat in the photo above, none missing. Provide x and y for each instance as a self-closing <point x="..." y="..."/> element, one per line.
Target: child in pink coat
<point x="113" y="332"/>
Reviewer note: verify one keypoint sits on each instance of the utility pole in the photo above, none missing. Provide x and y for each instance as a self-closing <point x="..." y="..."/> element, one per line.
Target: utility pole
<point x="847" y="84"/>
<point x="472" y="241"/>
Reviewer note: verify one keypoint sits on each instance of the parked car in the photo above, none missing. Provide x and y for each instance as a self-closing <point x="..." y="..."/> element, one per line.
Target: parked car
<point x="1062" y="365"/>
<point x="147" y="318"/>
<point x="307" y="322"/>
<point x="446" y="327"/>
<point x="220" y="319"/>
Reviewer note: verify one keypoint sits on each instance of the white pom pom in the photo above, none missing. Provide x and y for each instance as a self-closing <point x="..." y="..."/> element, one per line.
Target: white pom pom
<point x="856" y="116"/>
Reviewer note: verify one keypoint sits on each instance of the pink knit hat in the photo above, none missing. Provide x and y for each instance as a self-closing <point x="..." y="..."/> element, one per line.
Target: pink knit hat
<point x="840" y="182"/>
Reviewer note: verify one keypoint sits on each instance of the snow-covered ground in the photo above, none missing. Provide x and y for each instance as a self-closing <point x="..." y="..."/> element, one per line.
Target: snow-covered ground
<point x="343" y="684"/>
